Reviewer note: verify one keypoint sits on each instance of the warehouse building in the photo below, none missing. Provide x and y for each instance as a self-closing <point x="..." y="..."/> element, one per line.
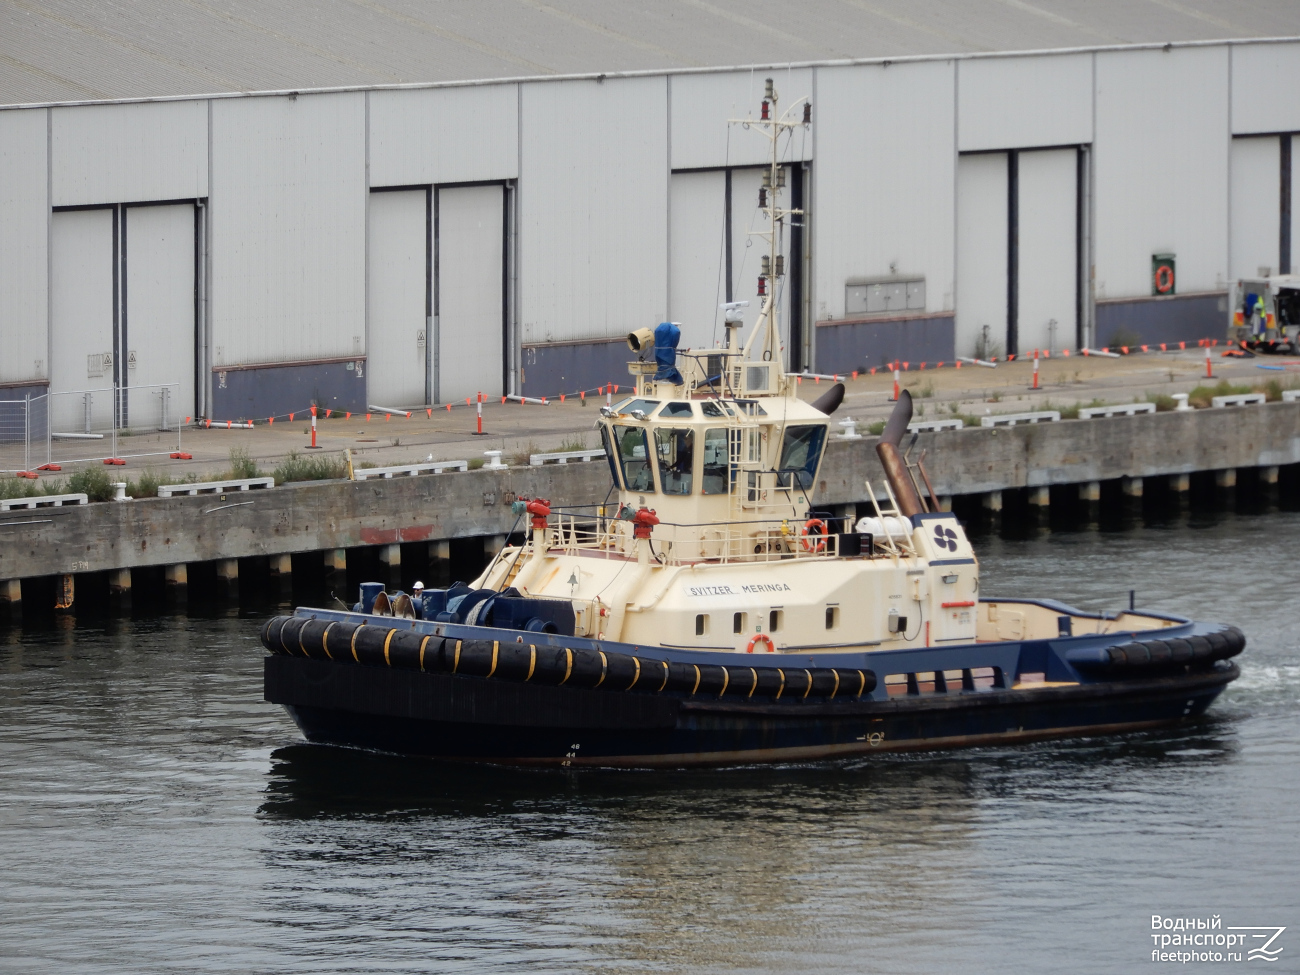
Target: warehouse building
<point x="354" y="203"/>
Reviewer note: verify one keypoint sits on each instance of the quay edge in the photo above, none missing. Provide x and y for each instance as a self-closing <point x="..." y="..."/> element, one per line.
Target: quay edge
<point x="333" y="516"/>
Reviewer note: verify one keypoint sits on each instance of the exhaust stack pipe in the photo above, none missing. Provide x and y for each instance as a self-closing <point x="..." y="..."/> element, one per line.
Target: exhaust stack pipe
<point x="900" y="478"/>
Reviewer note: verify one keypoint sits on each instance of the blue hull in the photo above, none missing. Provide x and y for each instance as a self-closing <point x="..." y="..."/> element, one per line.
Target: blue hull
<point x="492" y="717"/>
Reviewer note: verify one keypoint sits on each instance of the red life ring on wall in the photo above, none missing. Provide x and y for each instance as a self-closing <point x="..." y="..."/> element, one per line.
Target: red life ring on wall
<point x="1164" y="279"/>
<point x="771" y="647"/>
<point x="819" y="544"/>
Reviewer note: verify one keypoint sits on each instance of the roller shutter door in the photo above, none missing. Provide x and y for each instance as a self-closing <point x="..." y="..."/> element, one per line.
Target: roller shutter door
<point x="470" y="297"/>
<point x="83" y="340"/>
<point x="697" y="259"/>
<point x="1255" y="205"/>
<point x="747" y="250"/>
<point x="159" y="323"/>
<point x="981" y="252"/>
<point x="398" y="298"/>
<point x="1048" y="273"/>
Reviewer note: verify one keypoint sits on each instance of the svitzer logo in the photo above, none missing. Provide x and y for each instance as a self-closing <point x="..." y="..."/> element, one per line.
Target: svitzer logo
<point x="945" y="538"/>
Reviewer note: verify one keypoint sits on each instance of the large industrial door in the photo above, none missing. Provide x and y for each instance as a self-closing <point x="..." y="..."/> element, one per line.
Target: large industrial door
<point x="981" y="254"/>
<point x="470" y="295"/>
<point x="1255" y="206"/>
<point x="83" y="323"/>
<point x="747" y="249"/>
<point x="399" y="298"/>
<point x="1048" y="276"/>
<point x="122" y="308"/>
<point x="1017" y="251"/>
<point x="717" y="256"/>
<point x="159" y="272"/>
<point x="697" y="258"/>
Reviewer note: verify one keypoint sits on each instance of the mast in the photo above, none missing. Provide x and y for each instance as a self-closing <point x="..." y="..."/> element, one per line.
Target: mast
<point x="773" y="126"/>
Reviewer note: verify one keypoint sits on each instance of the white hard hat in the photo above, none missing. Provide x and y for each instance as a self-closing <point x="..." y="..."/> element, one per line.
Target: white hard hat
<point x="418" y="585"/>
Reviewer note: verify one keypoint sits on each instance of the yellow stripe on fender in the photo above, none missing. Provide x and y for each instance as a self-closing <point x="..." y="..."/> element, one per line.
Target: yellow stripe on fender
<point x="604" y="666"/>
<point x="456" y="661"/>
<point x="780" y="689"/>
<point x="568" y="664"/>
<point x="532" y="662"/>
<point x="354" y="643"/>
<point x="496" y="648"/>
<point x="325" y="637"/>
<point x="726" y="680"/>
<point x="636" y="675"/>
<point x="423" y="643"/>
<point x="387" y="640"/>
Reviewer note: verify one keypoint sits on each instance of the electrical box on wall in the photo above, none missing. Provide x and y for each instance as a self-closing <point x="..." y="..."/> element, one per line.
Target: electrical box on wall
<point x="1162" y="274"/>
<point x="879" y="297"/>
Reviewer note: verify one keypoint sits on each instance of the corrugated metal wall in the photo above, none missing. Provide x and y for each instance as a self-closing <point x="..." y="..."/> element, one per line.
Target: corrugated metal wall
<point x="1256" y="205"/>
<point x="593" y="219"/>
<point x="884" y="180"/>
<point x="595" y="160"/>
<point x="1264" y="78"/>
<point x="1016" y="103"/>
<point x="130" y="153"/>
<point x="1161" y="166"/>
<point x="24" y="235"/>
<point x="288" y="228"/>
<point x="444" y="135"/>
<point x="703" y="103"/>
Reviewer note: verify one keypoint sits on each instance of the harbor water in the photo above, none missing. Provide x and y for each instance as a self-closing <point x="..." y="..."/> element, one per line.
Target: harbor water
<point x="157" y="816"/>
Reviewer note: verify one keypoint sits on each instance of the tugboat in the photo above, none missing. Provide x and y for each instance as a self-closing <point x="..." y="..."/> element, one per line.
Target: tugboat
<point x="715" y="615"/>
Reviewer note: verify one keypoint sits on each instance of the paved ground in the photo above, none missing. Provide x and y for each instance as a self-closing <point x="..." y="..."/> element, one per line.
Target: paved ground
<point x="521" y="429"/>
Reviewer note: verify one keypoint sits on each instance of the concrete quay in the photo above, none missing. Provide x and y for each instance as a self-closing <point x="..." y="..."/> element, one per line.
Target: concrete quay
<point x="982" y="472"/>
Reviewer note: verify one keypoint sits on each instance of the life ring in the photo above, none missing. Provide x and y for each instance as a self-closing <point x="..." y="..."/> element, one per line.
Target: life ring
<point x="820" y="544"/>
<point x="1164" y="279"/>
<point x="771" y="647"/>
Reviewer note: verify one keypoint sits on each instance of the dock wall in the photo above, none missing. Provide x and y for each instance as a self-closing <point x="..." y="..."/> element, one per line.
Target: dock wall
<point x="333" y="517"/>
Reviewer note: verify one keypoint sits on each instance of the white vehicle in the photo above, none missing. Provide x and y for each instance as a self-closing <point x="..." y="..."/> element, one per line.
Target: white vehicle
<point x="1265" y="313"/>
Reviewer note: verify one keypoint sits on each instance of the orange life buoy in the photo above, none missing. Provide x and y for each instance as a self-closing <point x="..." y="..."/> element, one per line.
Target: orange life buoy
<point x="1164" y="279"/>
<point x="820" y="544"/>
<point x="771" y="647"/>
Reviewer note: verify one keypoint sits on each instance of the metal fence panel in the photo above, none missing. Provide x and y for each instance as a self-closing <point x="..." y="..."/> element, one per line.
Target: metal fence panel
<point x="94" y="424"/>
<point x="22" y="432"/>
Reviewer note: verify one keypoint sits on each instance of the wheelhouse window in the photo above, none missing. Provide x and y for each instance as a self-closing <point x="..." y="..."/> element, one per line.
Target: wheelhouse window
<point x="676" y="450"/>
<point x="717" y="462"/>
<point x="646" y="406"/>
<point x="676" y="409"/>
<point x="634" y="457"/>
<point x="611" y="455"/>
<point x="801" y="451"/>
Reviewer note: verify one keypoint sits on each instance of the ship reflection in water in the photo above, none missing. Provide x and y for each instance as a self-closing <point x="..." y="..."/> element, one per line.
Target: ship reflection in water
<point x="785" y="869"/>
<point x="157" y="815"/>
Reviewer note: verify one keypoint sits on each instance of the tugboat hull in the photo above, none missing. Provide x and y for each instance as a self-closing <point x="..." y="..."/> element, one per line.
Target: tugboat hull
<point x="454" y="717"/>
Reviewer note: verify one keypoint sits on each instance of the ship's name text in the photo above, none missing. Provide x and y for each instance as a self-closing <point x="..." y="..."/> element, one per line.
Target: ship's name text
<point x="750" y="589"/>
